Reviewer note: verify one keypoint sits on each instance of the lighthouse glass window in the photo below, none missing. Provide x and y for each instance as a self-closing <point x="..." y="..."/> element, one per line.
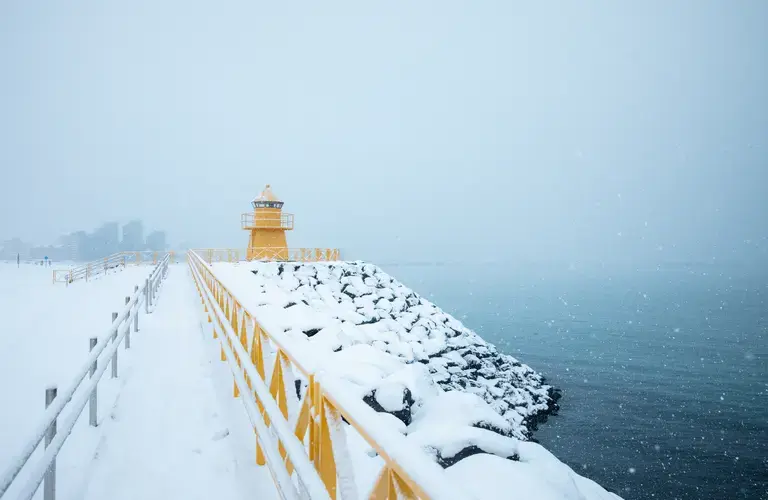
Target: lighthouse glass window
<point x="267" y="204"/>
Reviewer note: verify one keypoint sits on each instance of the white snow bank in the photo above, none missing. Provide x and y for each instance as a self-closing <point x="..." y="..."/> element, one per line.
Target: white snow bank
<point x="495" y="478"/>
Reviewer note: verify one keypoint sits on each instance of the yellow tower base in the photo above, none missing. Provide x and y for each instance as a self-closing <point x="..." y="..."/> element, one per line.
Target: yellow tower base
<point x="267" y="244"/>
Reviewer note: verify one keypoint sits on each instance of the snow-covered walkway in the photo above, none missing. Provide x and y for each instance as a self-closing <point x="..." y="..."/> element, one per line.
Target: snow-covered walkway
<point x="168" y="435"/>
<point x="44" y="339"/>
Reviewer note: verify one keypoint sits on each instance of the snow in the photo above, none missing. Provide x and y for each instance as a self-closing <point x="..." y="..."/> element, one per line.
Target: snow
<point x="436" y="385"/>
<point x="341" y="305"/>
<point x="44" y="339"/>
<point x="167" y="426"/>
<point x="166" y="437"/>
<point x="496" y="480"/>
<point x="433" y="395"/>
<point x="295" y="450"/>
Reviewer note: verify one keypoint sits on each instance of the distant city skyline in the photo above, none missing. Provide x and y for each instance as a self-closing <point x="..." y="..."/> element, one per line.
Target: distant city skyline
<point x="106" y="239"/>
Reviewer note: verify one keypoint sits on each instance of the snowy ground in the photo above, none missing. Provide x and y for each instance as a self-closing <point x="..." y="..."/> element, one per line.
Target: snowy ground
<point x="166" y="428"/>
<point x="451" y="394"/>
<point x="44" y="338"/>
<point x="169" y="436"/>
<point x="169" y="427"/>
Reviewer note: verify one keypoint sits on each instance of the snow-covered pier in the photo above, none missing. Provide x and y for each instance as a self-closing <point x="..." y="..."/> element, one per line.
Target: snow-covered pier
<point x="378" y="393"/>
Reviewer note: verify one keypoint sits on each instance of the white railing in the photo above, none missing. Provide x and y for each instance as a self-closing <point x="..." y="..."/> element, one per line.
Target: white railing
<point x="301" y="440"/>
<point x="48" y="428"/>
<point x="89" y="270"/>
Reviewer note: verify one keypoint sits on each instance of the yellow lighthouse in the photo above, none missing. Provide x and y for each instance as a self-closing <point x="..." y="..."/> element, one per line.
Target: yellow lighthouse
<point x="267" y="224"/>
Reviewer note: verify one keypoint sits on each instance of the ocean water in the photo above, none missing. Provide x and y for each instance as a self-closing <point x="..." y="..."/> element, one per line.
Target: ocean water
<point x="664" y="370"/>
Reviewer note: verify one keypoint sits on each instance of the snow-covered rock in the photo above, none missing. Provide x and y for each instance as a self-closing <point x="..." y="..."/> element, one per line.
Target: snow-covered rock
<point x="455" y="396"/>
<point x="340" y="305"/>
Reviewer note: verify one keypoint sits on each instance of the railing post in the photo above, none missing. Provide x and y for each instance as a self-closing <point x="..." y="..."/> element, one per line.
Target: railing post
<point x="146" y="296"/>
<point x="114" y="339"/>
<point x="136" y="313"/>
<point x="49" y="486"/>
<point x="93" y="402"/>
<point x="128" y="327"/>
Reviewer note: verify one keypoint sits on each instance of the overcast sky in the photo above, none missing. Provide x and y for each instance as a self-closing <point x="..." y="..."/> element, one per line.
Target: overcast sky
<point x="431" y="129"/>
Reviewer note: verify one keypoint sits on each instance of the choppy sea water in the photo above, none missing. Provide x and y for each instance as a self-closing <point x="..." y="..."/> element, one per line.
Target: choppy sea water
<point x="664" y="371"/>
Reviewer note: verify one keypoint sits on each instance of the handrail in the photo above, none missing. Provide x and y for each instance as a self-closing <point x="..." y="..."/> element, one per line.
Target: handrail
<point x="113" y="338"/>
<point x="119" y="259"/>
<point x="211" y="255"/>
<point x="261" y="422"/>
<point x="407" y="471"/>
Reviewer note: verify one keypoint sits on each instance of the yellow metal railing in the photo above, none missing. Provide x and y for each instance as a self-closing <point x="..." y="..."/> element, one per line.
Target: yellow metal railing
<point x="308" y="429"/>
<point x="211" y="255"/>
<point x="267" y="221"/>
<point x="94" y="268"/>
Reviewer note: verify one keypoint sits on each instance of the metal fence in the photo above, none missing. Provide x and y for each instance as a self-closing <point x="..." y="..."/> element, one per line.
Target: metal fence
<point x="211" y="255"/>
<point x="103" y="353"/>
<point x="115" y="261"/>
<point x="300" y="438"/>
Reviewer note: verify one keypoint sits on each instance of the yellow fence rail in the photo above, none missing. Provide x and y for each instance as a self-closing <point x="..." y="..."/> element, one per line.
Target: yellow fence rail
<point x="211" y="255"/>
<point x="117" y="260"/>
<point x="301" y="439"/>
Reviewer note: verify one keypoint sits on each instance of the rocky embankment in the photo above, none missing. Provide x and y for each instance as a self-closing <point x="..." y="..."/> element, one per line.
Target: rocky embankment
<point x="469" y="406"/>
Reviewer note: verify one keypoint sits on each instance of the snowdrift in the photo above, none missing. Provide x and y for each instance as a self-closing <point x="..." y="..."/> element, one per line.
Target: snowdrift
<point x="468" y="406"/>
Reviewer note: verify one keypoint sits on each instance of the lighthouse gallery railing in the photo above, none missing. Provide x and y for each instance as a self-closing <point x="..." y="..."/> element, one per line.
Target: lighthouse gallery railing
<point x="266" y="221"/>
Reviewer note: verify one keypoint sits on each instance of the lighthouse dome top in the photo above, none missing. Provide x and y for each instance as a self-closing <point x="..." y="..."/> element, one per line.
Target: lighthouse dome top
<point x="267" y="199"/>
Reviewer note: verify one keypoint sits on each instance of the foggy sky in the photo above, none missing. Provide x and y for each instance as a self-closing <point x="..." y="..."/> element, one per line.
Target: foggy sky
<point x="432" y="129"/>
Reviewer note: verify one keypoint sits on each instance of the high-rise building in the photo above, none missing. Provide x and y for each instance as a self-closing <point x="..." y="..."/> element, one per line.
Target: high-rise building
<point x="73" y="243"/>
<point x="79" y="246"/>
<point x="156" y="241"/>
<point x="133" y="236"/>
<point x="105" y="240"/>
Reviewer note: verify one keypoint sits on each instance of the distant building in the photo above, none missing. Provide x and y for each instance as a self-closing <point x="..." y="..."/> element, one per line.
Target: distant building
<point x="81" y="246"/>
<point x="78" y="243"/>
<point x="156" y="241"/>
<point x="133" y="236"/>
<point x="104" y="241"/>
